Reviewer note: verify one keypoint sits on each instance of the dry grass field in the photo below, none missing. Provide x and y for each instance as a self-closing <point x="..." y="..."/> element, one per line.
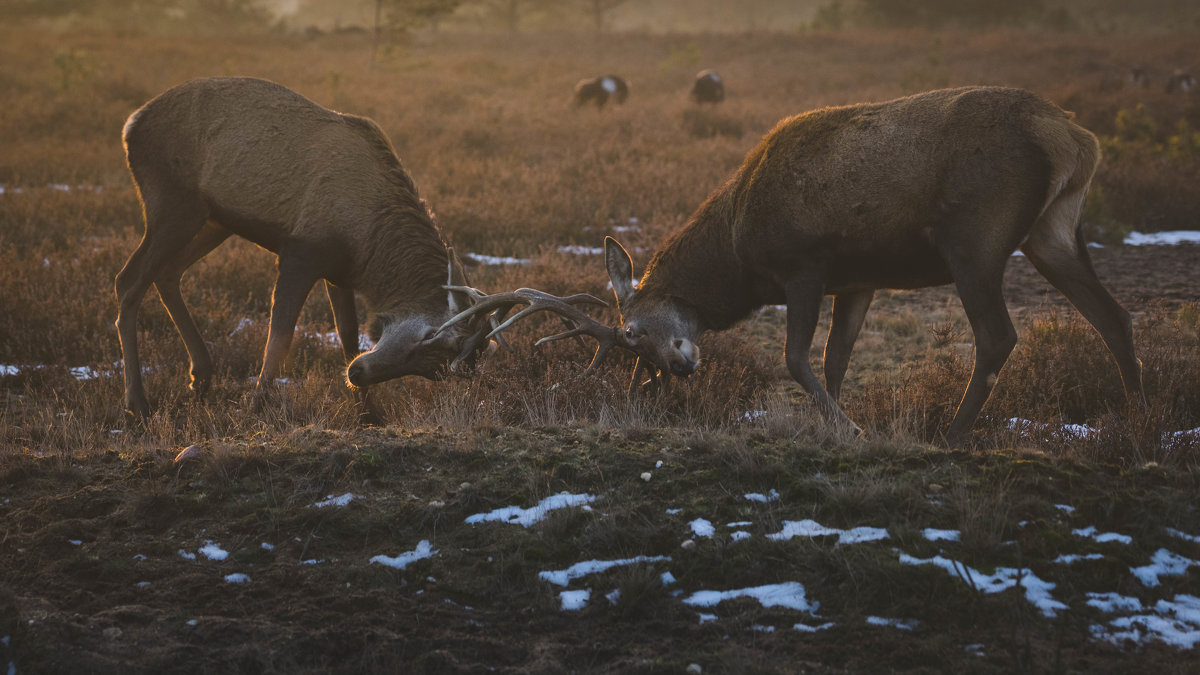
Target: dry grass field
<point x="97" y="517"/>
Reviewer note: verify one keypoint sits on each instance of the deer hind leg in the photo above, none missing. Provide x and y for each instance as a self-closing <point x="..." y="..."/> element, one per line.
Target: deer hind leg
<point x="849" y="311"/>
<point x="804" y="296"/>
<point x="292" y="284"/>
<point x="1056" y="249"/>
<point x="167" y="284"/>
<point x="171" y="223"/>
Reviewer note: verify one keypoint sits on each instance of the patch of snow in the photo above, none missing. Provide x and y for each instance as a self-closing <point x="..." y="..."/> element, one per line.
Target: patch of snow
<point x="789" y="595"/>
<point x="933" y="534"/>
<point x="1183" y="535"/>
<point x="702" y="528"/>
<point x="573" y="601"/>
<point x="237" y="578"/>
<point x="1114" y="602"/>
<point x="481" y="259"/>
<point x="1162" y="563"/>
<point x="423" y="550"/>
<point x="902" y="624"/>
<point x="707" y="618"/>
<point x="1175" y="622"/>
<point x="582" y="569"/>
<point x="1061" y="507"/>
<point x="759" y="628"/>
<point x="811" y="528"/>
<point x="674" y="512"/>
<point x="516" y="515"/>
<point x="1072" y="558"/>
<point x="330" y="500"/>
<point x="1069" y="432"/>
<point x="574" y="249"/>
<point x="1102" y="537"/>
<point x="213" y="551"/>
<point x="186" y="555"/>
<point x="1170" y="238"/>
<point x="739" y="535"/>
<point x="613" y="597"/>
<point x="667" y="578"/>
<point x="84" y="373"/>
<point x="1172" y="438"/>
<point x="759" y="497"/>
<point x="805" y="628"/>
<point x="1037" y="591"/>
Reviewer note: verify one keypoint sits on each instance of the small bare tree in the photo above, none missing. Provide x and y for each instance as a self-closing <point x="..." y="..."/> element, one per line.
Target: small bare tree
<point x="599" y="10"/>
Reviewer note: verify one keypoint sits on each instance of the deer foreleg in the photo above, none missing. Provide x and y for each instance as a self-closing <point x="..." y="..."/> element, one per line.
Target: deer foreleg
<point x="804" y="309"/>
<point x="345" y="318"/>
<point x="292" y="285"/>
<point x="849" y="311"/>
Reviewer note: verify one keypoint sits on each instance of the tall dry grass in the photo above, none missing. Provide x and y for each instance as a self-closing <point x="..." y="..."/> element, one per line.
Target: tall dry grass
<point x="484" y="125"/>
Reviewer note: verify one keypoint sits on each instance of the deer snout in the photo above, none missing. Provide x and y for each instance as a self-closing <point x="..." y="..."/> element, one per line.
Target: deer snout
<point x="684" y="357"/>
<point x="356" y="374"/>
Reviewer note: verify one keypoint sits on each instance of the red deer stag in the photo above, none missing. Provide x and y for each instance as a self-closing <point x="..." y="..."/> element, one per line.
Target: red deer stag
<point x="925" y="190"/>
<point x="323" y="191"/>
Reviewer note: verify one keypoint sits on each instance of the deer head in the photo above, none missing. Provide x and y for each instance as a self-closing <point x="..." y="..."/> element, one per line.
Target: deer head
<point x="660" y="329"/>
<point x="415" y="343"/>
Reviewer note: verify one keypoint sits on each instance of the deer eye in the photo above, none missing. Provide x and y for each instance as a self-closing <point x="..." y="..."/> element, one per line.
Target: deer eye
<point x="630" y="335"/>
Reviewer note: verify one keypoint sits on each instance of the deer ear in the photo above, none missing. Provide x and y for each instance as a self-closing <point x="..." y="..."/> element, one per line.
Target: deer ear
<point x="456" y="276"/>
<point x="620" y="270"/>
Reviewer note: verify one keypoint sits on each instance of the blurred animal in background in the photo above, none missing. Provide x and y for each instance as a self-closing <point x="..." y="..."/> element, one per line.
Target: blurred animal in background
<point x="598" y="90"/>
<point x="708" y="87"/>
<point x="325" y="192"/>
<point x="1139" y="78"/>
<point x="1180" y="81"/>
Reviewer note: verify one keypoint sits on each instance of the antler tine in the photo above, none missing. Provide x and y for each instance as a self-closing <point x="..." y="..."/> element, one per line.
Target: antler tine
<point x="483" y="303"/>
<point x="498" y="305"/>
<point x="606" y="336"/>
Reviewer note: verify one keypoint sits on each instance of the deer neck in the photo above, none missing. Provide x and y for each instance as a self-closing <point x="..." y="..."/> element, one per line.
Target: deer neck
<point x="404" y="268"/>
<point x="697" y="267"/>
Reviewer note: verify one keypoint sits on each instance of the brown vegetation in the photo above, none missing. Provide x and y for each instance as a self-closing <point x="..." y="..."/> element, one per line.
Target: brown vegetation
<point x="484" y="125"/>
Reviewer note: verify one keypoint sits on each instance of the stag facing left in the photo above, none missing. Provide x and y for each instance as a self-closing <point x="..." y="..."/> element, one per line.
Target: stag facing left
<point x="322" y="190"/>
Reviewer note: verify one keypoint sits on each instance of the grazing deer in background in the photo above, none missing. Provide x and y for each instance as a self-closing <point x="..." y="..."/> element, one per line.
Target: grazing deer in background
<point x="323" y="191"/>
<point x="931" y="189"/>
<point x="708" y="87"/>
<point x="598" y="90"/>
<point x="1139" y="78"/>
<point x="1180" y="81"/>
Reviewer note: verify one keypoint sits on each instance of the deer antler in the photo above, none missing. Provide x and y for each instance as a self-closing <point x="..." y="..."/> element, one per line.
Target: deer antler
<point x="496" y="307"/>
